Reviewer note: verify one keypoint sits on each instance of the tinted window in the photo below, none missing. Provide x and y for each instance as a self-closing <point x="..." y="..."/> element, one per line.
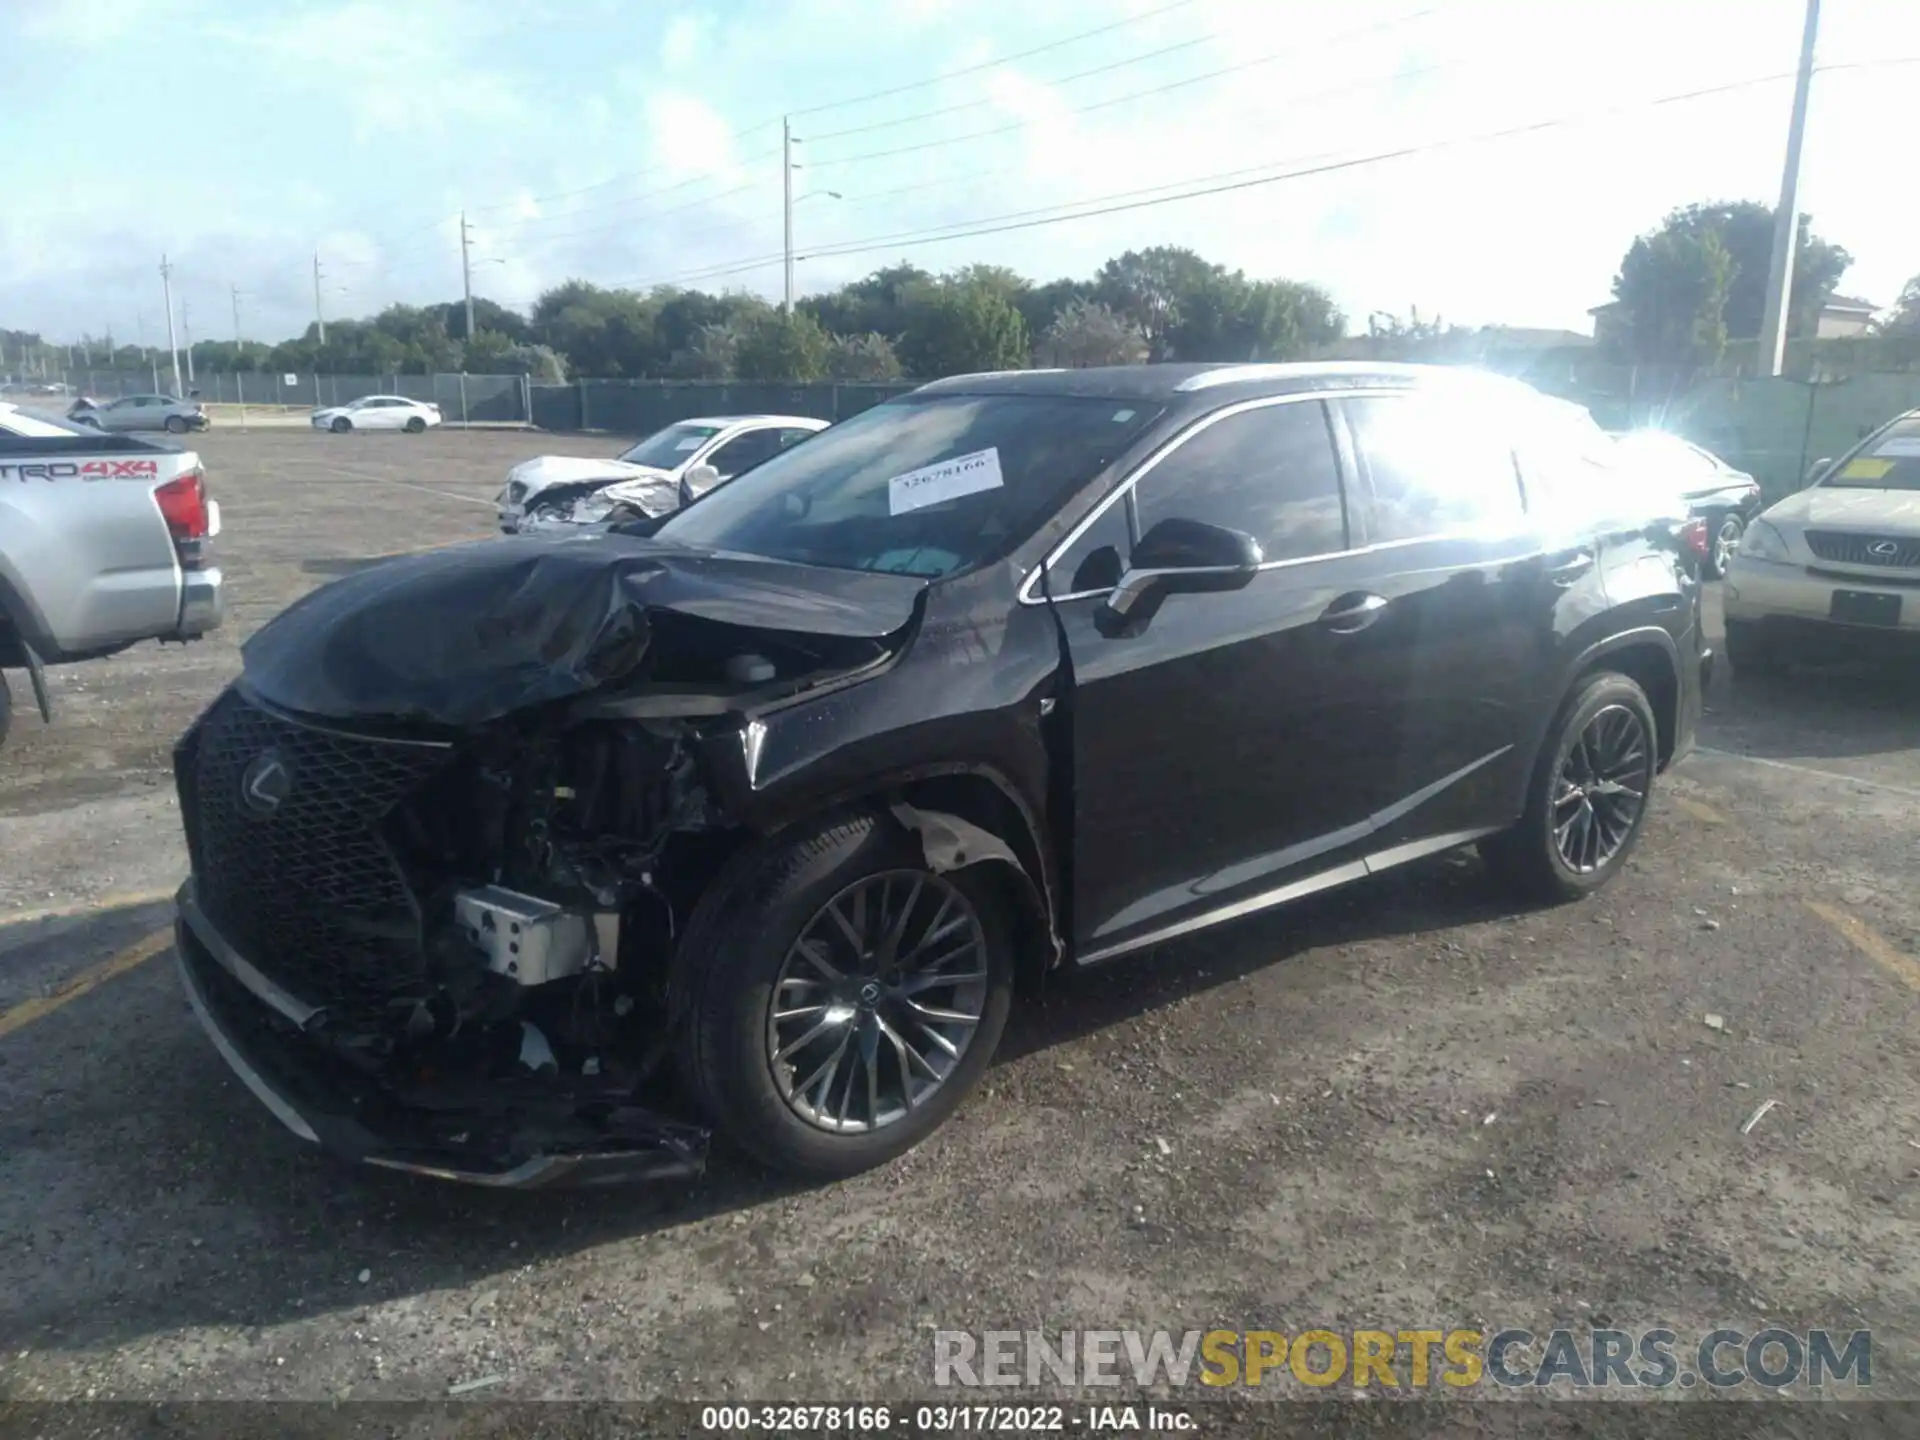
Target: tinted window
<point x="1094" y="561"/>
<point x="928" y="486"/>
<point x="1270" y="472"/>
<point x="745" y="451"/>
<point x="794" y="437"/>
<point x="1435" y="466"/>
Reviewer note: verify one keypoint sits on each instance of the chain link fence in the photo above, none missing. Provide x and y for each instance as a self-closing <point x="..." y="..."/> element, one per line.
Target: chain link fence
<point x="639" y="407"/>
<point x="463" y="399"/>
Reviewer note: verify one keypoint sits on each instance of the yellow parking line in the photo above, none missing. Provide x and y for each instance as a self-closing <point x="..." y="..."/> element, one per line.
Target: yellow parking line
<point x="138" y="953"/>
<point x="9" y="918"/>
<point x="1705" y="814"/>
<point x="1870" y="942"/>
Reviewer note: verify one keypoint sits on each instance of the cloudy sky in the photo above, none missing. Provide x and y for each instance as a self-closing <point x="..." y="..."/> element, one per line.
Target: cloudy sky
<point x="631" y="142"/>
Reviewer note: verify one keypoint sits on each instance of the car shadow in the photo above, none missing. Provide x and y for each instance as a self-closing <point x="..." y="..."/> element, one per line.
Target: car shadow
<point x="118" y="1095"/>
<point x="1816" y="711"/>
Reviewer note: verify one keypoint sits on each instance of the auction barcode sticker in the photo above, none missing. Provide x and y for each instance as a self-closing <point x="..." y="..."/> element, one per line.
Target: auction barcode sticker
<point x="949" y="480"/>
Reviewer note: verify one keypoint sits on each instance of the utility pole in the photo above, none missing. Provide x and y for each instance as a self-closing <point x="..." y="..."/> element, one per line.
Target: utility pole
<point x="186" y="333"/>
<point x="318" y="319"/>
<point x="1786" y="220"/>
<point x="786" y="202"/>
<point x="239" y="345"/>
<point x="173" y="344"/>
<point x="466" y="273"/>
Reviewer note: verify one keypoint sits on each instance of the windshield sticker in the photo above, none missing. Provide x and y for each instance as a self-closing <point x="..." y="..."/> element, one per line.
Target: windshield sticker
<point x="1899" y="447"/>
<point x="1866" y="469"/>
<point x="949" y="480"/>
<point x="694" y="444"/>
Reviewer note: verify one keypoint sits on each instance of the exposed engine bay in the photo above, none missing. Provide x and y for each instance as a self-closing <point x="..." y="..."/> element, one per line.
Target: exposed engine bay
<point x="468" y="929"/>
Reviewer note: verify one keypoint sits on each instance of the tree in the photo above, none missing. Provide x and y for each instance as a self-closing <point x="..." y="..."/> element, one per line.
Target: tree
<point x="492" y="352"/>
<point x="862" y="357"/>
<point x="1672" y="290"/>
<point x="1191" y="309"/>
<point x="487" y="315"/>
<point x="789" y="348"/>
<point x="961" y="324"/>
<point x="1147" y="288"/>
<point x="1088" y="333"/>
<point x="1744" y="229"/>
<point x="875" y="305"/>
<point x="1905" y="319"/>
<point x="1040" y="304"/>
<point x="710" y="356"/>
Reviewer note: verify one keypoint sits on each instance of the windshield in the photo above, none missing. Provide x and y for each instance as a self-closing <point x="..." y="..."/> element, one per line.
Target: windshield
<point x="670" y="448"/>
<point x="1891" y="461"/>
<point x="916" y="487"/>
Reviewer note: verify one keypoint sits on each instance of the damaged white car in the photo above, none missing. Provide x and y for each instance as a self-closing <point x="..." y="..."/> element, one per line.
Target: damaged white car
<point x="654" y="477"/>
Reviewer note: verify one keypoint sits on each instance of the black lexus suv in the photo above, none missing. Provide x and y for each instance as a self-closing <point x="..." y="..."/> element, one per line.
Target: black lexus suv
<point x="533" y="859"/>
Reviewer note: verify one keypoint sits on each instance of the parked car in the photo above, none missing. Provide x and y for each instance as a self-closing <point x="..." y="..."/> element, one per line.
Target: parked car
<point x="1724" y="497"/>
<point x="1016" y="671"/>
<point x="141" y="412"/>
<point x="104" y="541"/>
<point x="378" y="412"/>
<point x="1834" y="570"/>
<point x="656" y="475"/>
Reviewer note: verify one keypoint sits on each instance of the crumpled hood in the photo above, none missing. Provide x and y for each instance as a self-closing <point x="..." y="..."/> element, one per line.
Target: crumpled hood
<point x="1893" y="512"/>
<point x="468" y="634"/>
<point x="544" y="470"/>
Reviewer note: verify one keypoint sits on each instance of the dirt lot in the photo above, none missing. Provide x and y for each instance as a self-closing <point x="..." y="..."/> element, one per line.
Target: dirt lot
<point x="1402" y="1105"/>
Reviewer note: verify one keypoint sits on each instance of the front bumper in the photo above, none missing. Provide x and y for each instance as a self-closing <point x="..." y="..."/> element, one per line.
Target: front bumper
<point x="261" y="1030"/>
<point x="1769" y="591"/>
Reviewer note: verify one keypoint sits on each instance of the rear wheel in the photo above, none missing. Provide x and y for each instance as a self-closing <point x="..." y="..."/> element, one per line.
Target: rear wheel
<point x="176" y="425"/>
<point x="1749" y="651"/>
<point x="1588" y="798"/>
<point x="842" y="997"/>
<point x="341" y="425"/>
<point x="415" y="425"/>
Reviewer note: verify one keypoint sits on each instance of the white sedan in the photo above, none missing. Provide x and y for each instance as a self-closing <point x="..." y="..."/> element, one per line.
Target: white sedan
<point x="378" y="412"/>
<point x="659" y="474"/>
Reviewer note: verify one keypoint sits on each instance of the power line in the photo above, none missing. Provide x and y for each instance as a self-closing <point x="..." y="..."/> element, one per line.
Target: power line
<point x="1229" y="181"/>
<point x="1243" y="65"/>
<point x="992" y="64"/>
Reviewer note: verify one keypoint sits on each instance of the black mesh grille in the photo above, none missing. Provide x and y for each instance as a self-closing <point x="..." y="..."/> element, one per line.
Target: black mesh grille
<point x="306" y="891"/>
<point x="1849" y="549"/>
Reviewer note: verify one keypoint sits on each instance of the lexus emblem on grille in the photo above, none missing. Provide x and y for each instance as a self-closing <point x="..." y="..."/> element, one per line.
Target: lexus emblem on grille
<point x="265" y="783"/>
<point x="1884" y="549"/>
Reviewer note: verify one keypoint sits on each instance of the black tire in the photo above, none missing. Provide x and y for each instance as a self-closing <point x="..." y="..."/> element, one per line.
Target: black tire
<point x="176" y="425"/>
<point x="1749" y="652"/>
<point x="1723" y="537"/>
<point x="416" y="425"/>
<point x="1527" y="856"/>
<point x="734" y="951"/>
<point x="341" y="425"/>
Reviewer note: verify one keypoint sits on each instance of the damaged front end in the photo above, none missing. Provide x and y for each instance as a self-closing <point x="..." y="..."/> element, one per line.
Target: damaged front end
<point x="438" y="878"/>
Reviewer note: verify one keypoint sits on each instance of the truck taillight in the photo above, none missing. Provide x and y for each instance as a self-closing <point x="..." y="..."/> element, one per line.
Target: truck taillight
<point x="1694" y="532"/>
<point x="183" y="503"/>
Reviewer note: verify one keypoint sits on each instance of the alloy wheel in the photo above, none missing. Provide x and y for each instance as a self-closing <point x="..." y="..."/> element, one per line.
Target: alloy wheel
<point x="1725" y="543"/>
<point x="1601" y="788"/>
<point x="877" y="1001"/>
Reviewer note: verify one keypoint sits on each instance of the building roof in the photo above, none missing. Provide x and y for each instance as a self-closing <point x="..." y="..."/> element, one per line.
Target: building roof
<point x="1851" y="304"/>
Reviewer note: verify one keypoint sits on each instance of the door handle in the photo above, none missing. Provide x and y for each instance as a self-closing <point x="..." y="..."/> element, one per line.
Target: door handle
<point x="1350" y="613"/>
<point x="1569" y="571"/>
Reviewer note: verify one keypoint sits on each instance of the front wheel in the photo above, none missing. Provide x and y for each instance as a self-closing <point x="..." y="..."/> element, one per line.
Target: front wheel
<point x="415" y="425"/>
<point x="341" y="425"/>
<point x="842" y="998"/>
<point x="176" y="425"/>
<point x="1588" y="798"/>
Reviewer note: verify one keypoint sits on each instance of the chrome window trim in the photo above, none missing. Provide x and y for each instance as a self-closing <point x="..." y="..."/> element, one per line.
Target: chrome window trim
<point x="1029" y="585"/>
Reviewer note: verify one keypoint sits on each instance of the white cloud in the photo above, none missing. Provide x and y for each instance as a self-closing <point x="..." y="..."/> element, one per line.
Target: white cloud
<point x="689" y="137"/>
<point x="681" y="42"/>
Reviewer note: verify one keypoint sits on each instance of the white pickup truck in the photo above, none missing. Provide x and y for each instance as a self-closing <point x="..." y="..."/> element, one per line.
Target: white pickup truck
<point x="105" y="541"/>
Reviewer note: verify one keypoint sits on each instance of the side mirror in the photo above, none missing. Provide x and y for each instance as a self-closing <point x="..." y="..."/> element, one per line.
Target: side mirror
<point x="701" y="478"/>
<point x="1179" y="556"/>
<point x="1817" y="469"/>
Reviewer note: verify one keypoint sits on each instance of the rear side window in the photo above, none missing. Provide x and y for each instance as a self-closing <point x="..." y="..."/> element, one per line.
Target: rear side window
<point x="1435" y="467"/>
<point x="1269" y="471"/>
<point x="743" y="452"/>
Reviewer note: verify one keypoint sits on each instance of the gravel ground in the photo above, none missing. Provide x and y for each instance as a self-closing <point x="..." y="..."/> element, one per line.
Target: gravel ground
<point x="1402" y="1105"/>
